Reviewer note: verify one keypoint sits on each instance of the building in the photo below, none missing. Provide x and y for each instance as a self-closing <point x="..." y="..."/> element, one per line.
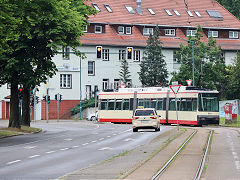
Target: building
<point x="123" y="25"/>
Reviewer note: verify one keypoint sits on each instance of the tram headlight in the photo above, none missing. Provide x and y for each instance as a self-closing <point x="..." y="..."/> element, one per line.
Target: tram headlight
<point x="202" y="118"/>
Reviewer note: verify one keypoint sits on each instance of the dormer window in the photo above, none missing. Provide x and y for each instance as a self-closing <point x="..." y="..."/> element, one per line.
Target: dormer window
<point x="96" y="6"/>
<point x="128" y="30"/>
<point x="191" y="32"/>
<point x="130" y="9"/>
<point x="169" y="32"/>
<point x="168" y="12"/>
<point x="190" y="13"/>
<point x="147" y="31"/>
<point x="120" y="30"/>
<point x="233" y="34"/>
<point x="151" y="11"/>
<point x="98" y="29"/>
<point x="108" y="8"/>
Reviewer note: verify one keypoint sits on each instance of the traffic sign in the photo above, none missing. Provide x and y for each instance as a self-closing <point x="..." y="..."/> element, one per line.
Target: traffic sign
<point x="189" y="82"/>
<point x="175" y="88"/>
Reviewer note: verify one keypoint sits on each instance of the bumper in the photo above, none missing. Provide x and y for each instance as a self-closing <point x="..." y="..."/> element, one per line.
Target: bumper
<point x="205" y="120"/>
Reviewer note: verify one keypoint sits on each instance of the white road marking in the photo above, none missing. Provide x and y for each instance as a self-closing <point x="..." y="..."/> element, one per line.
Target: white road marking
<point x="94" y="141"/>
<point x="128" y="139"/>
<point x="237" y="164"/>
<point x="13" y="162"/>
<point x="30" y="147"/>
<point x="49" y="152"/>
<point x="101" y="139"/>
<point x="108" y="136"/>
<point x="85" y="144"/>
<point x="235" y="155"/>
<point x="104" y="148"/>
<point x="68" y="139"/>
<point x="75" y="146"/>
<point x="114" y="134"/>
<point x="37" y="155"/>
<point x="63" y="149"/>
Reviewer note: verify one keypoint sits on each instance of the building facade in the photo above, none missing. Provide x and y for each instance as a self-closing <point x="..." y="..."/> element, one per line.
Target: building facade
<point x="123" y="25"/>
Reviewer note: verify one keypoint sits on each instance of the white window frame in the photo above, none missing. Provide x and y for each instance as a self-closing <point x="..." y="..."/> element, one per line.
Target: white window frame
<point x="176" y="12"/>
<point x="233" y="34"/>
<point x="136" y="55"/>
<point x="92" y="65"/>
<point x="65" y="81"/>
<point x="127" y="30"/>
<point x="190" y="13"/>
<point x="96" y="7"/>
<point x="117" y="83"/>
<point x="105" y="84"/>
<point x="212" y="33"/>
<point x="197" y="13"/>
<point x="97" y="26"/>
<point x="168" y="12"/>
<point x="105" y="54"/>
<point x="151" y="11"/>
<point x="130" y="9"/>
<point x="191" y="32"/>
<point x="88" y="91"/>
<point x="170" y="32"/>
<point x="122" y="54"/>
<point x="107" y="6"/>
<point x="120" y="29"/>
<point x="147" y="31"/>
<point x="66" y="56"/>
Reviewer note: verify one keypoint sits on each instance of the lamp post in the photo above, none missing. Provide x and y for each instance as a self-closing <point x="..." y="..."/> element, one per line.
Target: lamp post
<point x="193" y="66"/>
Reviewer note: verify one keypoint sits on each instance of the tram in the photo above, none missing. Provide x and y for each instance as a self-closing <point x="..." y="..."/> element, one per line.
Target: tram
<point x="195" y="106"/>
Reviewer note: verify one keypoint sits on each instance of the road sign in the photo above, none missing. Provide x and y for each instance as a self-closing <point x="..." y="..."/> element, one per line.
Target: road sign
<point x="175" y="88"/>
<point x="189" y="82"/>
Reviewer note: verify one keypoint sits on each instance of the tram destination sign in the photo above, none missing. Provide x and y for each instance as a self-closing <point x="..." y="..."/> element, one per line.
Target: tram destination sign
<point x="175" y="88"/>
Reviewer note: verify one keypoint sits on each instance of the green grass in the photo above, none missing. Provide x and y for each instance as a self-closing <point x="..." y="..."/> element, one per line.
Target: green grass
<point x="16" y="131"/>
<point x="7" y="133"/>
<point x="237" y="124"/>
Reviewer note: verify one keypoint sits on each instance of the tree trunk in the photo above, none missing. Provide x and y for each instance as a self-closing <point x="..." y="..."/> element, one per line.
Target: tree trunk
<point x="25" y="107"/>
<point x="14" y="120"/>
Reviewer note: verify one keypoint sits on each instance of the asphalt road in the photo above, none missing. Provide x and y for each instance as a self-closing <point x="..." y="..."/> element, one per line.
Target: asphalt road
<point x="64" y="147"/>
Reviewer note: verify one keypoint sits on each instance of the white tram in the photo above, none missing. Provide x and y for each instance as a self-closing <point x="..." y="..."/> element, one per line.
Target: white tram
<point x="195" y="106"/>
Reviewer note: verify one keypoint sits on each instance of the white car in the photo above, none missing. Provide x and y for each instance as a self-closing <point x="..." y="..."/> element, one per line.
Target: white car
<point x="92" y="117"/>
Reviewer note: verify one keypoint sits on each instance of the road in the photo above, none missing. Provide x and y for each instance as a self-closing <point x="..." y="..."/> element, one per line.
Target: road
<point x="64" y="147"/>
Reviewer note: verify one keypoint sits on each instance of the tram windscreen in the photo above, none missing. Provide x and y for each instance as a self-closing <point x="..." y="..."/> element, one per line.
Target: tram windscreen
<point x="208" y="102"/>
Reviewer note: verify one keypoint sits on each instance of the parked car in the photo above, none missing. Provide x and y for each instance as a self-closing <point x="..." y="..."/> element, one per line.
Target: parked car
<point x="92" y="117"/>
<point x="146" y="118"/>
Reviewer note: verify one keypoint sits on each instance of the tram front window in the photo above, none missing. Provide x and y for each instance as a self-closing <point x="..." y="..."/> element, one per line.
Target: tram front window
<point x="208" y="102"/>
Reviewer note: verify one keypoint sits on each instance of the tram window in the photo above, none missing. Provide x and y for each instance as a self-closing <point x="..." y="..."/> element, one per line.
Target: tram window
<point x="111" y="104"/>
<point x="208" y="102"/>
<point x="118" y="104"/>
<point x="104" y="104"/>
<point x="153" y="103"/>
<point x="125" y="104"/>
<point x="160" y="104"/>
<point x="172" y="105"/>
<point x="141" y="102"/>
<point x="147" y="103"/>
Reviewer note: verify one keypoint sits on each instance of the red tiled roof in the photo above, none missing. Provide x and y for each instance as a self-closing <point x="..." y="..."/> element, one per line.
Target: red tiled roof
<point x="120" y="15"/>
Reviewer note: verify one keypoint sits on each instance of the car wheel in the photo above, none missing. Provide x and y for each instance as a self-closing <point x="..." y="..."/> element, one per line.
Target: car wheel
<point x="93" y="118"/>
<point x="135" y="130"/>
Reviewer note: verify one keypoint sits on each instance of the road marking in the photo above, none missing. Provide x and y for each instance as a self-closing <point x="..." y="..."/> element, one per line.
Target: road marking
<point x="101" y="139"/>
<point x="68" y="139"/>
<point x="13" y="162"/>
<point x="75" y="146"/>
<point x="49" y="152"/>
<point x="235" y="155"/>
<point x="237" y="164"/>
<point x="128" y="139"/>
<point x="104" y="148"/>
<point x="34" y="156"/>
<point x="114" y="134"/>
<point x="94" y="141"/>
<point x="30" y="147"/>
<point x="108" y="136"/>
<point x="85" y="144"/>
<point x="63" y="149"/>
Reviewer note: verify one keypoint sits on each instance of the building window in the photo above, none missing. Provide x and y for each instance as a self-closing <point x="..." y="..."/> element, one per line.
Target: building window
<point x="151" y="11"/>
<point x="190" y="13"/>
<point x="223" y="56"/>
<point x="130" y="9"/>
<point x="176" y="12"/>
<point x="108" y="8"/>
<point x="233" y="34"/>
<point x="136" y="55"/>
<point x="122" y="54"/>
<point x="147" y="31"/>
<point x="98" y="29"/>
<point x="105" y="54"/>
<point x="128" y="30"/>
<point x="169" y="32"/>
<point x="120" y="30"/>
<point x="65" y="81"/>
<point x="191" y="32"/>
<point x="214" y="14"/>
<point x="85" y="28"/>
<point x="96" y="6"/>
<point x="66" y="54"/>
<point x="88" y="92"/>
<point x="212" y="33"/>
<point x="116" y="83"/>
<point x="91" y="68"/>
<point x="105" y="84"/>
<point x="168" y="12"/>
<point x="197" y="13"/>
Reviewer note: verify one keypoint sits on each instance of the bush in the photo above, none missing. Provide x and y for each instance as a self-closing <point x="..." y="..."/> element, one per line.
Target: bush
<point x="85" y="104"/>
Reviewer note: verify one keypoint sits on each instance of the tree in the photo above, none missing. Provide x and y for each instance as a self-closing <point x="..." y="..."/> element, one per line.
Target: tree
<point x="43" y="26"/>
<point x="233" y="6"/>
<point x="153" y="71"/>
<point x="209" y="67"/>
<point x="233" y="79"/>
<point x="124" y="72"/>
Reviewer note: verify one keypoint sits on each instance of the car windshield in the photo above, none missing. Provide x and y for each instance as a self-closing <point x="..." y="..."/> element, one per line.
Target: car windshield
<point x="144" y="113"/>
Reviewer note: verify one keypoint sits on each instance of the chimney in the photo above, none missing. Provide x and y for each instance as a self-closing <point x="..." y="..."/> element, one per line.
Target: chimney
<point x="139" y="8"/>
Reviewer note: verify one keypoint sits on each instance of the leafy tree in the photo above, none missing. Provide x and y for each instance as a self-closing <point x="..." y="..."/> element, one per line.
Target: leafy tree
<point x="153" y="71"/>
<point x="233" y="6"/>
<point x="124" y="72"/>
<point x="209" y="71"/>
<point x="233" y="79"/>
<point x="43" y="26"/>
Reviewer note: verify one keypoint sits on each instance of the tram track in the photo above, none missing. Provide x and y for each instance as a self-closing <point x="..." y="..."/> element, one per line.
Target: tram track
<point x="174" y="157"/>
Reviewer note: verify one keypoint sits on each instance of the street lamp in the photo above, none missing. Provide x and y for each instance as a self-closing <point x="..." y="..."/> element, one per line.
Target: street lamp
<point x="192" y="42"/>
